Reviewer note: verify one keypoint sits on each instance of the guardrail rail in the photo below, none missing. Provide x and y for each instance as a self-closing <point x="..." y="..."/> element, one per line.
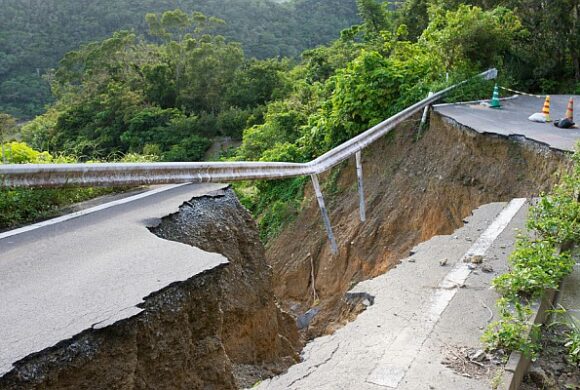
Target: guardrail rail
<point x="127" y="174"/>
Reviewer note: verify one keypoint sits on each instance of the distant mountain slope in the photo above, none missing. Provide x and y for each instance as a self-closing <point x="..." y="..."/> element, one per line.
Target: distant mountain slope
<point x="35" y="34"/>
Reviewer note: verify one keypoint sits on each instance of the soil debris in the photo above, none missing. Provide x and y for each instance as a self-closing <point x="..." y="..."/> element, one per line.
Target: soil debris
<point x="474" y="259"/>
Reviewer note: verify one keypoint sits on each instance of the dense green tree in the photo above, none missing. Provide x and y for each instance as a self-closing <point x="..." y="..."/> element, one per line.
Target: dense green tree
<point x="125" y="95"/>
<point x="415" y="15"/>
<point x="472" y="38"/>
<point x="373" y="15"/>
<point x="547" y="58"/>
<point x="258" y="82"/>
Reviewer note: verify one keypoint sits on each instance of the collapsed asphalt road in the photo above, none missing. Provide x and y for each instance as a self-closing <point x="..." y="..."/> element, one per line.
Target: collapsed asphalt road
<point x="90" y="271"/>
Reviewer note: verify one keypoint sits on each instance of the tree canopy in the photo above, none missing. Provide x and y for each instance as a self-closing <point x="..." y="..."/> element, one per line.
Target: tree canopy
<point x="36" y="34"/>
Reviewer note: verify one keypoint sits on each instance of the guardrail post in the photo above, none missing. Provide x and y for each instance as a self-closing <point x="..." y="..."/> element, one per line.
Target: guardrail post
<point x="324" y="212"/>
<point x="425" y="113"/>
<point x="361" y="192"/>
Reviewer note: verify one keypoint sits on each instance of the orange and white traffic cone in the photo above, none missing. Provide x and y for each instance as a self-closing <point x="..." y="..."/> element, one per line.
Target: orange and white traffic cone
<point x="568" y="121"/>
<point x="546" y="109"/>
<point x="570" y="110"/>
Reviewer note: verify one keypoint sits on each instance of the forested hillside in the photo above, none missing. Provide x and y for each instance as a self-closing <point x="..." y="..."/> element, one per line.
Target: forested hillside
<point x="169" y="91"/>
<point x="35" y="34"/>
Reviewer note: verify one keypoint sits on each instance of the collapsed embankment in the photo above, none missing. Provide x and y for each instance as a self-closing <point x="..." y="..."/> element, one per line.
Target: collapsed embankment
<point x="415" y="189"/>
<point x="219" y="330"/>
<point x="224" y="329"/>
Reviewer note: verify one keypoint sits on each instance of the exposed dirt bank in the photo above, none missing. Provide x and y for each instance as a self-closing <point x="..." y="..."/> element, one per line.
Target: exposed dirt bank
<point x="224" y="329"/>
<point x="414" y="190"/>
<point x="219" y="330"/>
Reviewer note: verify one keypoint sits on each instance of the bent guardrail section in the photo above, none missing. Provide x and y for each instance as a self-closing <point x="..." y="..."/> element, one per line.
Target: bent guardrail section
<point x="126" y="174"/>
<point x="115" y="174"/>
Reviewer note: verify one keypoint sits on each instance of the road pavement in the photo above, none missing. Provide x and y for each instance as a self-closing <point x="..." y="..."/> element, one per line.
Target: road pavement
<point x="422" y="313"/>
<point x="90" y="269"/>
<point x="512" y="119"/>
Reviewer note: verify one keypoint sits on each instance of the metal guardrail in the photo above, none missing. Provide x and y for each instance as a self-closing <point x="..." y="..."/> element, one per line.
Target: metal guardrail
<point x="126" y="174"/>
<point x="120" y="174"/>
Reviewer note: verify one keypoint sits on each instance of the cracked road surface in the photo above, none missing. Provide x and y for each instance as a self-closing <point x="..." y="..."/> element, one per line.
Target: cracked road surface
<point x="512" y="119"/>
<point x="420" y="310"/>
<point x="90" y="271"/>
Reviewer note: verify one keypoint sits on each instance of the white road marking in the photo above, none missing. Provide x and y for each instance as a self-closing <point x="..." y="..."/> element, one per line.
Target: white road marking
<point x="404" y="349"/>
<point x="91" y="210"/>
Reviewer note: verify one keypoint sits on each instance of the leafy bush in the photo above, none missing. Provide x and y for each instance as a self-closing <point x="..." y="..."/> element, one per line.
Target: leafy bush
<point x="278" y="214"/>
<point x="573" y="345"/>
<point x="470" y="37"/>
<point x="21" y="153"/>
<point x="556" y="217"/>
<point x="370" y="89"/>
<point x="535" y="266"/>
<point x="276" y="203"/>
<point x="192" y="148"/>
<point x="513" y="331"/>
<point x="24" y="205"/>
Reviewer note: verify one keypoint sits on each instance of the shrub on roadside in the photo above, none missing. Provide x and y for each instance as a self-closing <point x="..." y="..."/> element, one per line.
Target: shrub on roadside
<point x="24" y="205"/>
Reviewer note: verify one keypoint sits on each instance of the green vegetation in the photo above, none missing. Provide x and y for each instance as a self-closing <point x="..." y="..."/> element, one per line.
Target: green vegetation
<point x="567" y="329"/>
<point x="20" y="206"/>
<point x="36" y="34"/>
<point x="127" y="95"/>
<point x="536" y="265"/>
<point x="172" y="81"/>
<point x="280" y="205"/>
<point x="23" y="205"/>
<point x="358" y="81"/>
<point x="513" y="331"/>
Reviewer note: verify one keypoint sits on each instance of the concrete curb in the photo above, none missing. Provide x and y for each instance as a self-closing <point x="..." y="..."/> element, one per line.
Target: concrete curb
<point x="518" y="364"/>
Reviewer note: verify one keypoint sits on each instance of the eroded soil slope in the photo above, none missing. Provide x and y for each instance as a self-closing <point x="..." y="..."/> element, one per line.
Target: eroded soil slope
<point x="219" y="330"/>
<point x="415" y="189"/>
